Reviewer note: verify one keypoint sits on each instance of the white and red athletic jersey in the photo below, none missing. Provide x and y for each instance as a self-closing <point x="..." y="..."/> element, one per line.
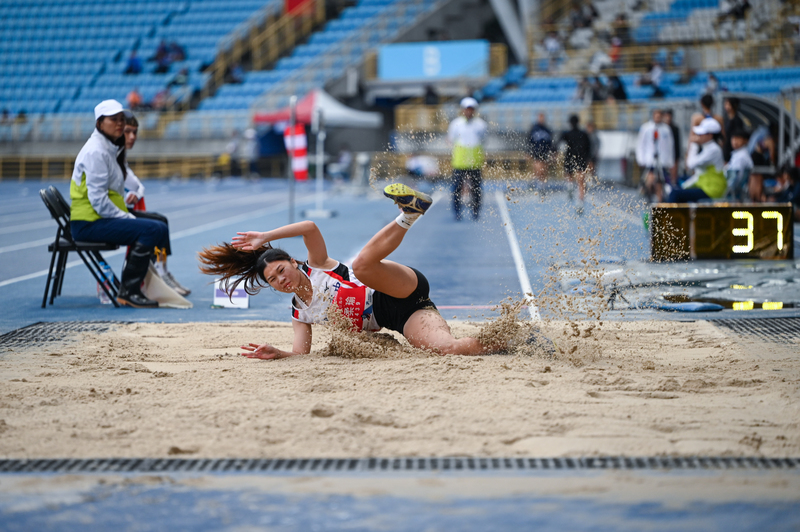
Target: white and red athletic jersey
<point x="337" y="285"/>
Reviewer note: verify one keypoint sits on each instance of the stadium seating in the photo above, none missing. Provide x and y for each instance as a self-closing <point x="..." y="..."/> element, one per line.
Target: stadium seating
<point x="766" y="82"/>
<point x="326" y="55"/>
<point x="53" y="61"/>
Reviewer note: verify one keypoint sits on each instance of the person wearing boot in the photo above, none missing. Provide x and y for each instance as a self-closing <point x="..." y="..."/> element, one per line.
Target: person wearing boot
<point x="134" y="199"/>
<point x="98" y="212"/>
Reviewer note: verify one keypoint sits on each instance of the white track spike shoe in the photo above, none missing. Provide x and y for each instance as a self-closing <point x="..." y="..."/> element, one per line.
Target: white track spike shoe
<point x="410" y="201"/>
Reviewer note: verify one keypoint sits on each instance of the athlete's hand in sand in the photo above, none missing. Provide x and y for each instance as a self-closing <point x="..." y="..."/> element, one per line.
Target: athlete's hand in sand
<point x="262" y="352"/>
<point x="249" y="241"/>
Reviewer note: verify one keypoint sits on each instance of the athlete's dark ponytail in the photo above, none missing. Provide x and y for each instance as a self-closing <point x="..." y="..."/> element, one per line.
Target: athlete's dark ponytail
<point x="234" y="266"/>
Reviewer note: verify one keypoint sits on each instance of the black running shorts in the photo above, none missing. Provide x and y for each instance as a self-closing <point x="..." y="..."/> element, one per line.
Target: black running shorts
<point x="393" y="313"/>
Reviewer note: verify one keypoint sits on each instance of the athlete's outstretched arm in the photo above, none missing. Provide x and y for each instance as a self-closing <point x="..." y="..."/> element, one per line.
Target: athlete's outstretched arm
<point x="300" y="346"/>
<point x="312" y="238"/>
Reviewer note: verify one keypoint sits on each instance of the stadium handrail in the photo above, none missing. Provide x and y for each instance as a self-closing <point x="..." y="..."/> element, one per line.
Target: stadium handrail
<point x="709" y="56"/>
<point x="150" y="167"/>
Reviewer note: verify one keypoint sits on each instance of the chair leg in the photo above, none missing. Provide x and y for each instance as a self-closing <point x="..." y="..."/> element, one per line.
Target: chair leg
<point x="59" y="275"/>
<point x="49" y="278"/>
<point x="64" y="259"/>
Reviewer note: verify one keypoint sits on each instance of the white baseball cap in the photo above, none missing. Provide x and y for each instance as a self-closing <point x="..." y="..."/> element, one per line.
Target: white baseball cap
<point x="469" y="102"/>
<point x="709" y="126"/>
<point x="110" y="108"/>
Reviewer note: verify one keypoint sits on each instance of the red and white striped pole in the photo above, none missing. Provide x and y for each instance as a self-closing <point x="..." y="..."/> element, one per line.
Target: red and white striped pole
<point x="296" y="144"/>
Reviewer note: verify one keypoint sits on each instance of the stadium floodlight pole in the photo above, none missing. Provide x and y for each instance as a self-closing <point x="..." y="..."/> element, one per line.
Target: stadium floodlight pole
<point x="292" y="121"/>
<point x="318" y="128"/>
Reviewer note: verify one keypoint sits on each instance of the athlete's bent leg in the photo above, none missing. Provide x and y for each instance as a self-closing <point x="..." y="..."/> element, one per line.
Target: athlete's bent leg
<point x="385" y="276"/>
<point x="427" y="329"/>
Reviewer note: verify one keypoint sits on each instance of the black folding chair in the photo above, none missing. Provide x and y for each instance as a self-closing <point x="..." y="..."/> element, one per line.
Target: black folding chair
<point x="89" y="252"/>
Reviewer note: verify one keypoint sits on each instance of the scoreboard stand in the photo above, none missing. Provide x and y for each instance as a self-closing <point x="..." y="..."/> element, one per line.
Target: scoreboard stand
<point x="721" y="231"/>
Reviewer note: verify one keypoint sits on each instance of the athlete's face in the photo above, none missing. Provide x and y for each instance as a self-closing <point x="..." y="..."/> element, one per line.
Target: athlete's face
<point x="283" y="276"/>
<point x="131" y="132"/>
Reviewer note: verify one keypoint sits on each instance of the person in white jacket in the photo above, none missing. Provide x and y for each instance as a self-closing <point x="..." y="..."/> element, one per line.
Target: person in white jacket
<point x="98" y="212"/>
<point x="134" y="199"/>
<point x="706" y="162"/>
<point x="655" y="155"/>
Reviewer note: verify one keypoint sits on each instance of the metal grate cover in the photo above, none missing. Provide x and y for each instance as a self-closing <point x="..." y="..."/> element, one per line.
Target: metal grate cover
<point x="44" y="332"/>
<point x="378" y="465"/>
<point x="777" y="330"/>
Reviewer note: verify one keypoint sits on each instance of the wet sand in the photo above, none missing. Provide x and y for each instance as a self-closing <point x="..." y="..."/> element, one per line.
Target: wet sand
<point x="616" y="388"/>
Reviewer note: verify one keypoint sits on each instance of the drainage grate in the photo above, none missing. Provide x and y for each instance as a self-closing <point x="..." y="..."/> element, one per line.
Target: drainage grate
<point x="52" y="331"/>
<point x="777" y="330"/>
<point x="377" y="465"/>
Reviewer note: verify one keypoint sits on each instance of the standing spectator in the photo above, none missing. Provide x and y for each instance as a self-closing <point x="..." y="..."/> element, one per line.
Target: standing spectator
<point x="6" y="118"/>
<point x="134" y="64"/>
<point x="707" y="108"/>
<point x="655" y="153"/>
<point x="540" y="147"/>
<point x="576" y="159"/>
<point x="622" y="29"/>
<point x="251" y="151"/>
<point x="98" y="212"/>
<point x="676" y="143"/>
<point x="339" y="170"/>
<point x="431" y="96"/>
<point x="466" y="135"/>
<point x="594" y="147"/>
<point x="733" y="122"/>
<point x="134" y="99"/>
<point x="705" y="161"/>
<point x="740" y="166"/>
<point x="583" y="91"/>
<point x="762" y="149"/>
<point x="712" y="84"/>
<point x="616" y="89"/>
<point x="231" y="155"/>
<point x="615" y="52"/>
<point x="599" y="91"/>
<point x="554" y="49"/>
<point x="653" y="78"/>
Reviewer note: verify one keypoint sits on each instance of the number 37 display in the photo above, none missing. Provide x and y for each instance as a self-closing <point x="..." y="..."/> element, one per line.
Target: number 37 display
<point x="721" y="231"/>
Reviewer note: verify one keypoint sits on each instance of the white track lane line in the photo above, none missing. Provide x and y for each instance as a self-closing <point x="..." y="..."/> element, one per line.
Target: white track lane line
<point x="26" y="245"/>
<point x="522" y="272"/>
<point x="177" y="235"/>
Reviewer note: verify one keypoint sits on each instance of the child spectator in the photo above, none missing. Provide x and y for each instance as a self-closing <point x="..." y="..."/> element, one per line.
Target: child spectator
<point x="737" y="171"/>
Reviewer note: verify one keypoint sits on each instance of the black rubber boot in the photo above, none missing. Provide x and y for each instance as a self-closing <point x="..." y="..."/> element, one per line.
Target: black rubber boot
<point x="133" y="274"/>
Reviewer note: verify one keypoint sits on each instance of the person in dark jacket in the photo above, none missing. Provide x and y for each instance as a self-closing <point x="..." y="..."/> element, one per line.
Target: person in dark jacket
<point x="733" y="122"/>
<point x="540" y="147"/>
<point x="576" y="159"/>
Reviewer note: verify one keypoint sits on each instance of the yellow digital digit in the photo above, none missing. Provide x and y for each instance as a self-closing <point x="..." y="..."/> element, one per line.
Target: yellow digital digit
<point x="741" y="231"/>
<point x="775" y="215"/>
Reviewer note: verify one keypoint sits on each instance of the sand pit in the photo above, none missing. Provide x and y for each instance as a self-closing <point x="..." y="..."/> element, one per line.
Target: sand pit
<point x="618" y="388"/>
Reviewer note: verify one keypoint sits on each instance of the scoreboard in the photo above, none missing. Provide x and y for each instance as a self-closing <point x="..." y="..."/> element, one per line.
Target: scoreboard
<point x="689" y="231"/>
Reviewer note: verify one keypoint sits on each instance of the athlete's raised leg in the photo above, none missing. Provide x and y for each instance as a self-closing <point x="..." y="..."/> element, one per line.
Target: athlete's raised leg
<point x="370" y="266"/>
